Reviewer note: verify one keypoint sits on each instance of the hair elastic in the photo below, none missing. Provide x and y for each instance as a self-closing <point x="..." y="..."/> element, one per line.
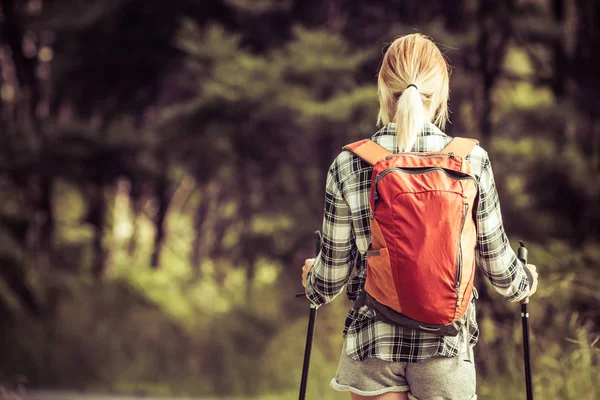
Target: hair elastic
<point x="412" y="84"/>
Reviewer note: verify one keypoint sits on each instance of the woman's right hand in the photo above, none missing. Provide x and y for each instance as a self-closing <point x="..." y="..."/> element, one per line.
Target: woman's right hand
<point x="532" y="285"/>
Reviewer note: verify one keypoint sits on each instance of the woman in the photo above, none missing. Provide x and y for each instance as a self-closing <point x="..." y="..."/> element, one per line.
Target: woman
<point x="384" y="361"/>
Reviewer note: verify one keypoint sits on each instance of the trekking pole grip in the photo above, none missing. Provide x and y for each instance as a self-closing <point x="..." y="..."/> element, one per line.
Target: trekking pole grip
<point x="318" y="239"/>
<point x="318" y="242"/>
<point x="522" y="255"/>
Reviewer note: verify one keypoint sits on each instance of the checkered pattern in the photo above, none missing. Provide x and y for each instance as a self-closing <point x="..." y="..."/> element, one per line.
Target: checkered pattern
<point x="346" y="238"/>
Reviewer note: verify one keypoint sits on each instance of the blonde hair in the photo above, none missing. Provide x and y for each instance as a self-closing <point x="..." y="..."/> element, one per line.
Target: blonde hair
<point x="413" y="60"/>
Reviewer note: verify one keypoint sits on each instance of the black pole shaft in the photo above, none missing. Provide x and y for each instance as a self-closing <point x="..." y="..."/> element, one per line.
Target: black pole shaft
<point x="307" y="350"/>
<point x="522" y="255"/>
<point x="309" y="333"/>
<point x="525" y="323"/>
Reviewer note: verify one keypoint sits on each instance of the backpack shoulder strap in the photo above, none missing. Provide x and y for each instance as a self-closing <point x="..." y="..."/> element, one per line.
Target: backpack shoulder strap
<point x="368" y="150"/>
<point x="460" y="146"/>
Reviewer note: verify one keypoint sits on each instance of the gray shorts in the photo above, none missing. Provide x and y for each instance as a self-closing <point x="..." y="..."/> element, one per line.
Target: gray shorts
<point x="433" y="379"/>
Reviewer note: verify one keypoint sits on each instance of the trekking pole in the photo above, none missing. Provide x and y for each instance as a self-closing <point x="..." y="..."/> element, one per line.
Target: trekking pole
<point x="522" y="254"/>
<point x="309" y="332"/>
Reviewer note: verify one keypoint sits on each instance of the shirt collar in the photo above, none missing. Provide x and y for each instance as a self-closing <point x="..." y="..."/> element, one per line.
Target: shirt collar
<point x="429" y="129"/>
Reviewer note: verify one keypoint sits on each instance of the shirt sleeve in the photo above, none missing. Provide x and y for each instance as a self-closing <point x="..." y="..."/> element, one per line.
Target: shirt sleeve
<point x="493" y="253"/>
<point x="334" y="263"/>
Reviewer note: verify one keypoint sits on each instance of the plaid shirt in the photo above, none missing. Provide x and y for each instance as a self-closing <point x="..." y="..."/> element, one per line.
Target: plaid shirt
<point x="347" y="236"/>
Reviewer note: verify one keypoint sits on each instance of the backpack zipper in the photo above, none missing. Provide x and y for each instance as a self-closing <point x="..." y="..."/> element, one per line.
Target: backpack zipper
<point x="412" y="171"/>
<point x="443" y="155"/>
<point x="459" y="261"/>
<point x="420" y="171"/>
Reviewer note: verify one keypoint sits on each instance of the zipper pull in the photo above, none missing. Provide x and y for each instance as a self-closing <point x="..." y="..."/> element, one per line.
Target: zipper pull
<point x="451" y="154"/>
<point x="372" y="216"/>
<point x="375" y="202"/>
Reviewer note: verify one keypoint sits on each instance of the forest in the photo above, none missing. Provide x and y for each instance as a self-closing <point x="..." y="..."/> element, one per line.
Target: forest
<point x="162" y="171"/>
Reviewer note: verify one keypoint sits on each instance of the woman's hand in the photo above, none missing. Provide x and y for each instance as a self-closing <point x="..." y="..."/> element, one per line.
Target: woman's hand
<point x="305" y="268"/>
<point x="532" y="285"/>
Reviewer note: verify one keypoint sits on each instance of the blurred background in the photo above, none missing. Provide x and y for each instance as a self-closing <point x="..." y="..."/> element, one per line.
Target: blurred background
<point x="162" y="170"/>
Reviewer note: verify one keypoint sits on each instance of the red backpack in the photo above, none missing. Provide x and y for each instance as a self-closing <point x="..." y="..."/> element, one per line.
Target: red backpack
<point x="421" y="262"/>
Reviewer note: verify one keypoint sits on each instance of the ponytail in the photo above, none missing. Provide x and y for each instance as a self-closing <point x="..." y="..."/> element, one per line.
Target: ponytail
<point x="410" y="117"/>
<point x="411" y="61"/>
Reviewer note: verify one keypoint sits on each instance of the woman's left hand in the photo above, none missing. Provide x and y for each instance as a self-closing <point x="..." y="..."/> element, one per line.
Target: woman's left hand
<point x="305" y="268"/>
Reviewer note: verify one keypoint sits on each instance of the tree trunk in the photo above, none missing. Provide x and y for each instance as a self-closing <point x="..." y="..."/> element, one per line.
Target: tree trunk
<point x="24" y="66"/>
<point x="483" y="44"/>
<point x="47" y="222"/>
<point x="250" y="275"/>
<point x="454" y="14"/>
<point x="334" y="14"/>
<point x="14" y="277"/>
<point x="197" y="248"/>
<point x="491" y="55"/>
<point x="136" y="200"/>
<point x="559" y="56"/>
<point x="205" y="221"/>
<point x="96" y="216"/>
<point x="38" y="186"/>
<point x="216" y="249"/>
<point x="162" y="196"/>
<point x="132" y="243"/>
